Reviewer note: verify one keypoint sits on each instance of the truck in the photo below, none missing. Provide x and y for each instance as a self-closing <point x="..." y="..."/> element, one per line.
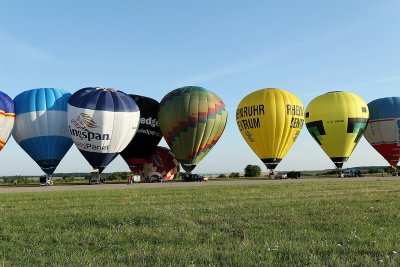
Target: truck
<point x="293" y="175"/>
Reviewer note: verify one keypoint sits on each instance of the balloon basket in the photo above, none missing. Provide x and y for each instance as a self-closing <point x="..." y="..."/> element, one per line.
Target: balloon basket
<point x="45" y="180"/>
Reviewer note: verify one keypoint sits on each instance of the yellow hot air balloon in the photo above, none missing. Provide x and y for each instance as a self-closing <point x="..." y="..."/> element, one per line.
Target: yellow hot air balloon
<point x="337" y="120"/>
<point x="270" y="120"/>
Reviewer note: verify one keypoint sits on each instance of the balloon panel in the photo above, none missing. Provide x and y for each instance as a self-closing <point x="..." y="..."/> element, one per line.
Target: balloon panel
<point x="383" y="131"/>
<point x="192" y="120"/>
<point x="40" y="126"/>
<point x="7" y="117"/>
<point x="337" y="121"/>
<point x="270" y="121"/>
<point x="101" y="133"/>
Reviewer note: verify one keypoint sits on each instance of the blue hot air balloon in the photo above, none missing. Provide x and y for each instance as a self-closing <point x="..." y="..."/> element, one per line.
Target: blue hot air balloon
<point x="41" y="126"/>
<point x="7" y="117"/>
<point x="102" y="122"/>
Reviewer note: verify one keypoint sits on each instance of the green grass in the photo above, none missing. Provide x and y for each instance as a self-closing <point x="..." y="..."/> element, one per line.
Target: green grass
<point x="302" y="224"/>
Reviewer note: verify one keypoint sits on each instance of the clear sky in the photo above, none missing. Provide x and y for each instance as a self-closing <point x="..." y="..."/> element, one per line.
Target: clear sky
<point x="229" y="47"/>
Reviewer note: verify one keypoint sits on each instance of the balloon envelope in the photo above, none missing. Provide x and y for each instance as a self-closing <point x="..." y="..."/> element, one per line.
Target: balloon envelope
<point x="101" y="122"/>
<point x="148" y="135"/>
<point x="337" y="120"/>
<point x="192" y="119"/>
<point x="270" y="120"/>
<point x="7" y="117"/>
<point x="162" y="162"/>
<point x="383" y="131"/>
<point x="41" y="126"/>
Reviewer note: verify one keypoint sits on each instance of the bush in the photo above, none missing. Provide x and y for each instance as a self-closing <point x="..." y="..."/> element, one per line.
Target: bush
<point x="234" y="174"/>
<point x="252" y="171"/>
<point x="68" y="178"/>
<point x="222" y="175"/>
<point x="118" y="176"/>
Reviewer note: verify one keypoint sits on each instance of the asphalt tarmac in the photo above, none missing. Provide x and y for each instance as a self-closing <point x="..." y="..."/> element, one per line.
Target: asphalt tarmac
<point x="226" y="182"/>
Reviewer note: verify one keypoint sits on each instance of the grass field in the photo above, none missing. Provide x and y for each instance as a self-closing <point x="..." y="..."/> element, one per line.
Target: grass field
<point x="302" y="224"/>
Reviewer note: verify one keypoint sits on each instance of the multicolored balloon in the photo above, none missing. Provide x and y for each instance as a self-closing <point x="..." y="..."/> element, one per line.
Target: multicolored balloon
<point x="163" y="163"/>
<point x="7" y="117"/>
<point x="270" y="121"/>
<point x="41" y="126"/>
<point x="102" y="122"/>
<point x="383" y="131"/>
<point x="147" y="137"/>
<point x="192" y="119"/>
<point x="337" y="121"/>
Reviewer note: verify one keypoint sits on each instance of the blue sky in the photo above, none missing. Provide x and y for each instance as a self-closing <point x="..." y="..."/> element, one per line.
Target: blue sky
<point x="229" y="47"/>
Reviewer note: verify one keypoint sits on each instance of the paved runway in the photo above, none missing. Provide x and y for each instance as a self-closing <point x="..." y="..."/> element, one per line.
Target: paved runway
<point x="12" y="189"/>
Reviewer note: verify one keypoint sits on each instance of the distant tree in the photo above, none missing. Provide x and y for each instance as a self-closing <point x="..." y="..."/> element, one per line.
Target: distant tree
<point x="373" y="170"/>
<point x="330" y="172"/>
<point x="222" y="175"/>
<point x="234" y="174"/>
<point x="252" y="171"/>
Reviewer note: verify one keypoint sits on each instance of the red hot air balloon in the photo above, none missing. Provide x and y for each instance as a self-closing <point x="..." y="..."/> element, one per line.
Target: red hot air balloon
<point x="162" y="163"/>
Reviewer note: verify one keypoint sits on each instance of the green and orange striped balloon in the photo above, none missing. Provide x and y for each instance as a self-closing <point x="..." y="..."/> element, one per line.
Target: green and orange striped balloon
<point x="191" y="119"/>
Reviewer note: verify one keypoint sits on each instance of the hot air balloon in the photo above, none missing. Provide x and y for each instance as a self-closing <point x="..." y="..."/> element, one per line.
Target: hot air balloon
<point x="383" y="130"/>
<point x="41" y="126"/>
<point x="147" y="137"/>
<point x="192" y="120"/>
<point x="101" y="122"/>
<point x="7" y="117"/>
<point x="337" y="120"/>
<point x="270" y="120"/>
<point x="162" y="163"/>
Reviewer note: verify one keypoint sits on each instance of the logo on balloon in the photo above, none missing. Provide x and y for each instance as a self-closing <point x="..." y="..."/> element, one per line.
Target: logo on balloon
<point x="250" y="136"/>
<point x="85" y="122"/>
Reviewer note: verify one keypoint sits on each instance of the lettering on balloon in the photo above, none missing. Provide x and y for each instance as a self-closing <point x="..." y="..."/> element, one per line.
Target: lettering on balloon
<point x="149" y="121"/>
<point x="88" y="135"/>
<point x="254" y="110"/>
<point x="86" y="146"/>
<point x="295" y="110"/>
<point x="149" y="132"/>
<point x="250" y="111"/>
<point x="296" y="123"/>
<point x="335" y="121"/>
<point x="251" y="123"/>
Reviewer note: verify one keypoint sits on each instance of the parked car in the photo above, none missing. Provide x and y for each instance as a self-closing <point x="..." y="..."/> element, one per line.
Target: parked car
<point x="187" y="177"/>
<point x="155" y="178"/>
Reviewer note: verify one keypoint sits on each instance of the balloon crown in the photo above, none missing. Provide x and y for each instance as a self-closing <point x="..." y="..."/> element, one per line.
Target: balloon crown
<point x="106" y="89"/>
